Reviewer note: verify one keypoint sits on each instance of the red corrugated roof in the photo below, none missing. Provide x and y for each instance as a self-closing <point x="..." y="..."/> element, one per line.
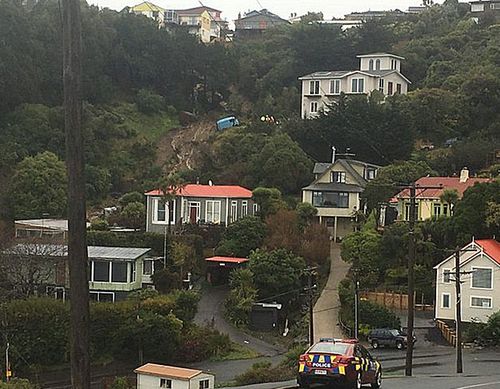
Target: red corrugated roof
<point x="444" y="183"/>
<point x="490" y="247"/>
<point x="197" y="190"/>
<point x="227" y="259"/>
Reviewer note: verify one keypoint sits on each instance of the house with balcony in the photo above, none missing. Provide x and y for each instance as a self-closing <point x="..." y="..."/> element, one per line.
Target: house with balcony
<point x="336" y="190"/>
<point x="480" y="276"/>
<point x="204" y="22"/>
<point x="430" y="202"/>
<point x="198" y="204"/>
<point x="114" y="272"/>
<point x="377" y="72"/>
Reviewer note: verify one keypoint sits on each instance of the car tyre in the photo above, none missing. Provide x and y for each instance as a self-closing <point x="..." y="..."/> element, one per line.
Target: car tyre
<point x="375" y="344"/>
<point x="400" y="345"/>
<point x="302" y="384"/>
<point x="378" y="381"/>
<point x="357" y="383"/>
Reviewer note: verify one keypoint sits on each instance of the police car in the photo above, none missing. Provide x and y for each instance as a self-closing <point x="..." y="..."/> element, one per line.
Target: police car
<point x="339" y="362"/>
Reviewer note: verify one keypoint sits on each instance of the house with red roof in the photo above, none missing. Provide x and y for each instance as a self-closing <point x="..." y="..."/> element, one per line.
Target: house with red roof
<point x="429" y="192"/>
<point x="480" y="276"/>
<point x="198" y="204"/>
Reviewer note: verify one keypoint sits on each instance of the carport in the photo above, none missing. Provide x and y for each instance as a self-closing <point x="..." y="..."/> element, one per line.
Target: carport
<point x="219" y="268"/>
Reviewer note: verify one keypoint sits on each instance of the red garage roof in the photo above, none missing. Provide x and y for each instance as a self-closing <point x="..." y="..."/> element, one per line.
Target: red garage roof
<point x="444" y="183"/>
<point x="197" y="190"/>
<point x="227" y="259"/>
<point x="491" y="247"/>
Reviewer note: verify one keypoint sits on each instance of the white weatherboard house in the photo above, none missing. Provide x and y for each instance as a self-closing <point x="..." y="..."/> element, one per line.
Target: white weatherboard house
<point x="153" y="376"/>
<point x="377" y="71"/>
<point x="480" y="276"/>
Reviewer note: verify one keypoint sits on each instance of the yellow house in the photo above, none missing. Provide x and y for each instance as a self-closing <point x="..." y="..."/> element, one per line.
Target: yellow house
<point x="149" y="10"/>
<point x="429" y="202"/>
<point x="336" y="190"/>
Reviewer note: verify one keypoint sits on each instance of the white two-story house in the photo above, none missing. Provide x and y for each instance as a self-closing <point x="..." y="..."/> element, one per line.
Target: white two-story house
<point x="378" y="71"/>
<point x="480" y="277"/>
<point x="336" y="190"/>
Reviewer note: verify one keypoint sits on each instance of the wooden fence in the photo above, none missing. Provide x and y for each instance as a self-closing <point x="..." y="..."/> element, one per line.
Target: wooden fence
<point x="448" y="333"/>
<point x="393" y="300"/>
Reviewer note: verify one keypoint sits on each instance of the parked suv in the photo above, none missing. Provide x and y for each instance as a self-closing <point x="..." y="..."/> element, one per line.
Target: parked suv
<point x="389" y="338"/>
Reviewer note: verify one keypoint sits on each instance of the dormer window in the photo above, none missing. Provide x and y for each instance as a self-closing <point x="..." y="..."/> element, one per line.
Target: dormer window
<point x="338" y="177"/>
<point x="370" y="173"/>
<point x="377" y="64"/>
<point x="370" y="66"/>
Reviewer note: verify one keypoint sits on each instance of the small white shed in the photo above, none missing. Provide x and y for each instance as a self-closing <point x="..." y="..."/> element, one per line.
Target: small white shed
<point x="153" y="376"/>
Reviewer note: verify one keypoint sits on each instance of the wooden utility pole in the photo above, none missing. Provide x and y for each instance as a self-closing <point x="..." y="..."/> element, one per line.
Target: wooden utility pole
<point x="356" y="309"/>
<point x="311" y="313"/>
<point x="411" y="281"/>
<point x="458" y="318"/>
<point x="77" y="239"/>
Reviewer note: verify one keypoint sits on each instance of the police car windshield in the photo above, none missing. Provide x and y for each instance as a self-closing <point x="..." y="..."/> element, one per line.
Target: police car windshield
<point x="330" y="348"/>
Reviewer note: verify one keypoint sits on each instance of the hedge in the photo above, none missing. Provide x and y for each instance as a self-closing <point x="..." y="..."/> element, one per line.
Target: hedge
<point x="38" y="329"/>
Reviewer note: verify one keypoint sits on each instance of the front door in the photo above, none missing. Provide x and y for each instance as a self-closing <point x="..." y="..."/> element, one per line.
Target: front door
<point x="194" y="212"/>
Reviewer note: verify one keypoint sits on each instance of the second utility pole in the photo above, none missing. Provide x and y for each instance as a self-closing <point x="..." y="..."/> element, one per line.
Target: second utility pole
<point x="411" y="287"/>
<point x="458" y="318"/>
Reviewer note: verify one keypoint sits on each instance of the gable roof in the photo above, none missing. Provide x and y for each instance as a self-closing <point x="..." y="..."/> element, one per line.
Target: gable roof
<point x="444" y="183"/>
<point x="179" y="373"/>
<point x="262" y="12"/>
<point x="471" y="251"/>
<point x="321" y="168"/>
<point x="198" y="190"/>
<point x="147" y="6"/>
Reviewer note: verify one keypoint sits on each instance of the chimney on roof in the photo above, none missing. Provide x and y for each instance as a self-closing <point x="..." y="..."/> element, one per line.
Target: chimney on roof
<point x="333" y="153"/>
<point x="464" y="175"/>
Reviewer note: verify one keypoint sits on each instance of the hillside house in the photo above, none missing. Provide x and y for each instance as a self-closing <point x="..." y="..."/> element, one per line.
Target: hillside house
<point x="429" y="201"/>
<point x="481" y="8"/>
<point x="154" y="376"/>
<point x="114" y="272"/>
<point x="336" y="190"/>
<point x="199" y="204"/>
<point x="204" y="22"/>
<point x="149" y="10"/>
<point x="480" y="265"/>
<point x="377" y="71"/>
<point x="255" y="23"/>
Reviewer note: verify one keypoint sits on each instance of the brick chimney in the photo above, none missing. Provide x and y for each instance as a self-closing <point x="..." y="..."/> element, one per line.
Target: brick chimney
<point x="464" y="175"/>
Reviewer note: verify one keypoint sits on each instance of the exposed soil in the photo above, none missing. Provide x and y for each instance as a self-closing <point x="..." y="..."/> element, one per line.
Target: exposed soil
<point x="180" y="147"/>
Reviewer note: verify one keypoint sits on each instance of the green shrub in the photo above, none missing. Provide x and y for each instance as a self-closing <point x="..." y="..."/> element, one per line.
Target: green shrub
<point x="99" y="225"/>
<point x="121" y="383"/>
<point x="490" y="334"/>
<point x="261" y="372"/>
<point x="17" y="383"/>
<point x="166" y="280"/>
<point x="131" y="197"/>
<point x="149" y="102"/>
<point x="199" y="343"/>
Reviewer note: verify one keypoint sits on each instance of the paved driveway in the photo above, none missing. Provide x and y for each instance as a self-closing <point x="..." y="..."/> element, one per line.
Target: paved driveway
<point x="326" y="309"/>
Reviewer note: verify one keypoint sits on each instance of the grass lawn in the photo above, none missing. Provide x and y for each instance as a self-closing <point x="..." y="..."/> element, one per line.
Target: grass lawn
<point x="151" y="126"/>
<point x="237" y="352"/>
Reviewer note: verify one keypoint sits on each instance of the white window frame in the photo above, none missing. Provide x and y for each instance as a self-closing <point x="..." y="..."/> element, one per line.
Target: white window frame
<point x="340" y="174"/>
<point x="314" y="107"/>
<point x="335" y="86"/>
<point x="314" y="87"/>
<point x="155" y="220"/>
<point x="381" y="83"/>
<point x="480" y="306"/>
<point x="472" y="277"/>
<point x="244" y="208"/>
<point x="197" y="205"/>
<point x="99" y="293"/>
<point x="399" y="88"/>
<point x="444" y="275"/>
<point x="213" y="220"/>
<point x="377" y="64"/>
<point x="439" y="207"/>
<point x="234" y="210"/>
<point x="204" y="383"/>
<point x="255" y="208"/>
<point x="356" y="82"/>
<point x="449" y="300"/>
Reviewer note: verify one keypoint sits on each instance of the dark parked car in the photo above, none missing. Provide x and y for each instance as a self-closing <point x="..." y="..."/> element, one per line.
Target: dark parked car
<point x="388" y="338"/>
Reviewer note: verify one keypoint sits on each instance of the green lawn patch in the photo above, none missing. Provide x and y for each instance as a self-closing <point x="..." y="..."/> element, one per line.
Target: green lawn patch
<point x="236" y="352"/>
